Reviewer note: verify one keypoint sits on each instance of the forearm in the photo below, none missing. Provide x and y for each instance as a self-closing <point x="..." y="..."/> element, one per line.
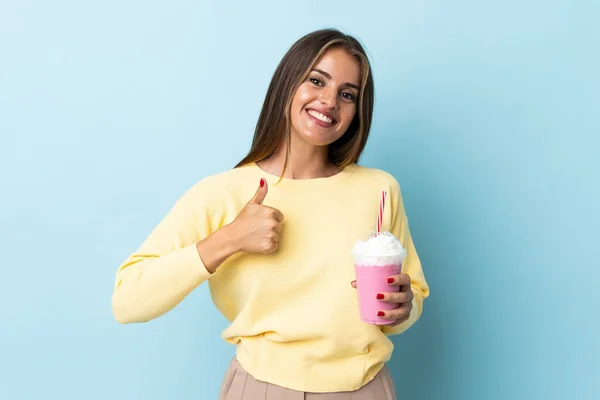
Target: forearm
<point x="218" y="247"/>
<point x="148" y="287"/>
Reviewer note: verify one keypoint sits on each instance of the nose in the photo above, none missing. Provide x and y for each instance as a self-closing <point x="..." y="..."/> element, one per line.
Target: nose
<point x="329" y="97"/>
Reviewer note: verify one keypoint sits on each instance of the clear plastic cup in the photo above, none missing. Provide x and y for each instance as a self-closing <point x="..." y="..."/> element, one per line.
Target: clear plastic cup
<point x="376" y="258"/>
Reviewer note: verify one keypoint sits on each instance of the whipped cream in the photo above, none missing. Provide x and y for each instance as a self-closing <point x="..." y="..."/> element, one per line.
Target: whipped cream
<point x="379" y="249"/>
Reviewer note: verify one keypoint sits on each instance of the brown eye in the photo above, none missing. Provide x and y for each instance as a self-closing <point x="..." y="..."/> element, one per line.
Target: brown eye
<point x="316" y="81"/>
<point x="348" y="96"/>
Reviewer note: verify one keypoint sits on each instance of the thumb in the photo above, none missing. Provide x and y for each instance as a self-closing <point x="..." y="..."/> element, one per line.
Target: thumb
<point x="261" y="193"/>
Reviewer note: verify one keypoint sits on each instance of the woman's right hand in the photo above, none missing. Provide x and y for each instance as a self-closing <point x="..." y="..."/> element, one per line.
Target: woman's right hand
<point x="256" y="228"/>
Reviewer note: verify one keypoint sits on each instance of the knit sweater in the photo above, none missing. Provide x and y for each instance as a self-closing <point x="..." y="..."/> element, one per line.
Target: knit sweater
<point x="293" y="314"/>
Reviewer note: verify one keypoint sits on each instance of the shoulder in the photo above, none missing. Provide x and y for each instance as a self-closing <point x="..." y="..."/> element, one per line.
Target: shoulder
<point x="225" y="179"/>
<point x="213" y="187"/>
<point x="375" y="180"/>
<point x="230" y="176"/>
<point x="376" y="176"/>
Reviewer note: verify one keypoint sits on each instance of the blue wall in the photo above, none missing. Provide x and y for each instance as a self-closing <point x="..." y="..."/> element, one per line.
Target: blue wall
<point x="487" y="113"/>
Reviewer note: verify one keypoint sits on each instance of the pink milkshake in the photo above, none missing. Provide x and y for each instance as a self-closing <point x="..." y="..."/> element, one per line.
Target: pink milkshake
<point x="376" y="258"/>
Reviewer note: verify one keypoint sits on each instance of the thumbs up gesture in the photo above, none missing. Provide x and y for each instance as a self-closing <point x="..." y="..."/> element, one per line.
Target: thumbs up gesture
<point x="257" y="226"/>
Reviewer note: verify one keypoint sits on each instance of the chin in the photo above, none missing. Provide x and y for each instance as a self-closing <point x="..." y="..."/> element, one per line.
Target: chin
<point x="318" y="141"/>
<point x="320" y="138"/>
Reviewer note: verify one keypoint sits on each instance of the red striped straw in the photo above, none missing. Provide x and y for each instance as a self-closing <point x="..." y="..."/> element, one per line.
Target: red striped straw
<point x="381" y="208"/>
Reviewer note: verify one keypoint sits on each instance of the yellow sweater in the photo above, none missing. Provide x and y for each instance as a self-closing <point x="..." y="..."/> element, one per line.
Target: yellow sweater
<point x="294" y="316"/>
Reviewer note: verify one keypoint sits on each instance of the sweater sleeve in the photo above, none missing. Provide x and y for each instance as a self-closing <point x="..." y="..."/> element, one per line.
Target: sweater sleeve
<point x="167" y="266"/>
<point x="411" y="264"/>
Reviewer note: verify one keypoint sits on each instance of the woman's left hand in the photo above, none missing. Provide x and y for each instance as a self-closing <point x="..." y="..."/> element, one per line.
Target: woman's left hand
<point x="404" y="299"/>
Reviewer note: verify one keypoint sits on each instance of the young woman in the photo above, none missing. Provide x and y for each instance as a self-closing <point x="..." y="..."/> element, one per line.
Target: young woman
<point x="273" y="238"/>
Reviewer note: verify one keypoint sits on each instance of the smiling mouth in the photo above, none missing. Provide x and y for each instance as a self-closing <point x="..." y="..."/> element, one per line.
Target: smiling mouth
<point x="321" y="119"/>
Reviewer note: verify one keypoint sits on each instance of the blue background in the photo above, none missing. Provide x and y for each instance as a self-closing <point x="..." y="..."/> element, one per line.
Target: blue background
<point x="486" y="112"/>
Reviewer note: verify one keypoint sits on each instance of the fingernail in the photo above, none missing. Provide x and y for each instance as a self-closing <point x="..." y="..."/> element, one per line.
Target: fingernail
<point x="380" y="314"/>
<point x="390" y="280"/>
<point x="262" y="182"/>
<point x="380" y="296"/>
<point x="352" y="282"/>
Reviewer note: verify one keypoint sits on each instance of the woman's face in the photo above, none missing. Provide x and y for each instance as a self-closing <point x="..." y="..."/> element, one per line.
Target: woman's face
<point x="325" y="104"/>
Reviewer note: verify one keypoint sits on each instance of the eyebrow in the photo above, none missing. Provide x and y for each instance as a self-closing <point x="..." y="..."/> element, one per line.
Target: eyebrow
<point x="326" y="75"/>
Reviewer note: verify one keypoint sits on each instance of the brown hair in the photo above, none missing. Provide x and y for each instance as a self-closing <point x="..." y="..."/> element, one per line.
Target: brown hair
<point x="274" y="121"/>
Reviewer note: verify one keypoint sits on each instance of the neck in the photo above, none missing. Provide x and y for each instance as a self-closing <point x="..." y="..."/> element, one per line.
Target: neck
<point x="305" y="161"/>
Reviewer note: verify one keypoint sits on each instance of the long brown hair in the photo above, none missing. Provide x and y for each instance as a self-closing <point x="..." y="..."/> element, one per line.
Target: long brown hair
<point x="274" y="121"/>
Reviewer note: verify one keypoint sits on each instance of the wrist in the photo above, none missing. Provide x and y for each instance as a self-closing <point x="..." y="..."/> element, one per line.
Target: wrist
<point x="217" y="248"/>
<point x="229" y="239"/>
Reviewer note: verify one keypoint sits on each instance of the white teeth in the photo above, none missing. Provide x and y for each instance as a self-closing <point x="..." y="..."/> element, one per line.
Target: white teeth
<point x="320" y="116"/>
